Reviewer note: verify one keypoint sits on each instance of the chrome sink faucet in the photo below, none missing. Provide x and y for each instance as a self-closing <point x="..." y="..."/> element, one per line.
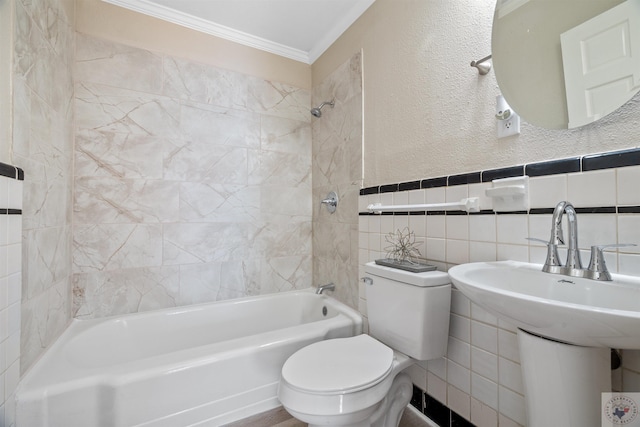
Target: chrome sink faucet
<point x="573" y="266"/>
<point x="553" y="264"/>
<point x="597" y="269"/>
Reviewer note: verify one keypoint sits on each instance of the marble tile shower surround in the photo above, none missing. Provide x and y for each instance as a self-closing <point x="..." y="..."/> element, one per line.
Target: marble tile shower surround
<point x="480" y="377"/>
<point x="192" y="183"/>
<point x="43" y="117"/>
<point x="337" y="166"/>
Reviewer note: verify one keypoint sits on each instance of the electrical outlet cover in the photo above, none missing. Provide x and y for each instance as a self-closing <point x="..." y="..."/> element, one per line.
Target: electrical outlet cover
<point x="508" y="127"/>
<point x="507" y="120"/>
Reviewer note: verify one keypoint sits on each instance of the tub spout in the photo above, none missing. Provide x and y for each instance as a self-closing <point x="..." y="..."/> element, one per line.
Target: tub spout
<point x="328" y="287"/>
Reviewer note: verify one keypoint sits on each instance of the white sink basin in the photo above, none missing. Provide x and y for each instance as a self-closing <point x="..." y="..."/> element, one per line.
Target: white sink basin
<point x="569" y="309"/>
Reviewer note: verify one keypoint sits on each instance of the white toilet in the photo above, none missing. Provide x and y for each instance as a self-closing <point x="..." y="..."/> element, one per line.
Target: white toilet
<point x="358" y="381"/>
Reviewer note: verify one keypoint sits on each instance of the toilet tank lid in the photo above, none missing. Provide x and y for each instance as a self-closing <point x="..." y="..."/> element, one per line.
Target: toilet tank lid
<point x="426" y="279"/>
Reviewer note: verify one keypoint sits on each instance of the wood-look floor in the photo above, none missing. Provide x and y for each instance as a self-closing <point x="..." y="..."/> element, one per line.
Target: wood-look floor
<point x="279" y="417"/>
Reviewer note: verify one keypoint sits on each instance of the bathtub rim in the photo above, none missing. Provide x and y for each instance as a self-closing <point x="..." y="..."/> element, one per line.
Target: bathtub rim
<point x="77" y="326"/>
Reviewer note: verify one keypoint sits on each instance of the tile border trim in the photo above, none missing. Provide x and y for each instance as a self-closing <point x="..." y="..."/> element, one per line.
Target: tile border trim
<point x="12" y="172"/>
<point x="534" y="211"/>
<point x="589" y="162"/>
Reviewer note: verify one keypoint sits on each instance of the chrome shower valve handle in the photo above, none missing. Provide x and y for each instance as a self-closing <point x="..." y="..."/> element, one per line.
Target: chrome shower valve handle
<point x="331" y="202"/>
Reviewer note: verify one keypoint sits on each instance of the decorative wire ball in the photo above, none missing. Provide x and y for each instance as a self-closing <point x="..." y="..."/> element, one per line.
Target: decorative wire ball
<point x="402" y="246"/>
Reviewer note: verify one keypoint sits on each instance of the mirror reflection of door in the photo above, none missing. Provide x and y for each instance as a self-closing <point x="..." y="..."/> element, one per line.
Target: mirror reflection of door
<point x="601" y="60"/>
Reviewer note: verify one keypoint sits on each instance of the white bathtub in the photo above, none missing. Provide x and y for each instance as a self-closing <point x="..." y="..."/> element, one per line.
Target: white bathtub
<point x="202" y="365"/>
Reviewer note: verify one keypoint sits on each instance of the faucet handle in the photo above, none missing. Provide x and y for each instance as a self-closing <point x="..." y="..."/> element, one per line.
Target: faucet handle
<point x="535" y="239"/>
<point x="552" y="264"/>
<point x="597" y="266"/>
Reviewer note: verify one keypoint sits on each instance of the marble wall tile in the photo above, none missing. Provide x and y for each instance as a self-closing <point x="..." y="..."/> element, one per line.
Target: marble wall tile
<point x="44" y="317"/>
<point x="191" y="81"/>
<point x="217" y="126"/>
<point x="187" y="243"/>
<point x="111" y="200"/>
<point x="100" y="247"/>
<point x="33" y="55"/>
<point x="348" y="193"/>
<point x="21" y="116"/>
<point x="209" y="202"/>
<point x="199" y="282"/>
<point x="344" y="275"/>
<point x="203" y="162"/>
<point x="47" y="195"/>
<point x="332" y="241"/>
<point x="43" y="112"/>
<point x="118" y="65"/>
<point x="278" y="99"/>
<point x="273" y="239"/>
<point x="42" y="57"/>
<point x="337" y="148"/>
<point x="276" y="168"/>
<point x="337" y="166"/>
<point x="33" y="328"/>
<point x="189" y="167"/>
<point x="330" y="160"/>
<point x="108" y="109"/>
<point x="285" y="135"/>
<point x="118" y="155"/>
<point x="345" y="83"/>
<point x="125" y="291"/>
<point x="283" y="204"/>
<point x="281" y="274"/>
<point x="46" y="259"/>
<point x="52" y="19"/>
<point x="239" y="278"/>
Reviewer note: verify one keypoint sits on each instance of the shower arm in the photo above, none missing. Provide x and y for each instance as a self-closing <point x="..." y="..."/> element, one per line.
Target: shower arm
<point x="317" y="111"/>
<point x="482" y="65"/>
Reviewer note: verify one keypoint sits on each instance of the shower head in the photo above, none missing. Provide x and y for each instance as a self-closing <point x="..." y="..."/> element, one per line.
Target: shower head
<point x="317" y="110"/>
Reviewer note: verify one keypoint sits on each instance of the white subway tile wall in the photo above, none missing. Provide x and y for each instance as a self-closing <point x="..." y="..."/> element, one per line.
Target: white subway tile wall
<point x="480" y="376"/>
<point x="10" y="294"/>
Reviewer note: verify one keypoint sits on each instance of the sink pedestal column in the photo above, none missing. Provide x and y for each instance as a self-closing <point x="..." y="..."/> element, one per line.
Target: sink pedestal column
<point x="562" y="382"/>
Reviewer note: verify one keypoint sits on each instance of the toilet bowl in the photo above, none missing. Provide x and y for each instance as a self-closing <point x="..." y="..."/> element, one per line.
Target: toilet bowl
<point x="344" y="381"/>
<point x="359" y="381"/>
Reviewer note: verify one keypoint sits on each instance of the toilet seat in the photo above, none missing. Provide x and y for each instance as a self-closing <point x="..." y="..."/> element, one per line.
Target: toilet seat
<point x="339" y="366"/>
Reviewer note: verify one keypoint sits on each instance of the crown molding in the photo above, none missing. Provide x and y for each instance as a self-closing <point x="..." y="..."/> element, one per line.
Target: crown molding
<point x="189" y="21"/>
<point x="338" y="29"/>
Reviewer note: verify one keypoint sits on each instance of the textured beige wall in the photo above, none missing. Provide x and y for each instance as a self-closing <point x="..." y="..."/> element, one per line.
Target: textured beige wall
<point x="427" y="113"/>
<point x="106" y="21"/>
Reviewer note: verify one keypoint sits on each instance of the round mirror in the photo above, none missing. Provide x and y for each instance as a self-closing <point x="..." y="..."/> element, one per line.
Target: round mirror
<point x="566" y="63"/>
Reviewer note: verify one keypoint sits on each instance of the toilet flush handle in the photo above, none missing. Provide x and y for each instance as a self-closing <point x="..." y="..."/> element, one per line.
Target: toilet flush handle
<point x="367" y="280"/>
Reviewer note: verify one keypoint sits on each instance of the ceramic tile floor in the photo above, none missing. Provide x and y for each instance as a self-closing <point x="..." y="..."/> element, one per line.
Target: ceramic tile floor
<point x="280" y="418"/>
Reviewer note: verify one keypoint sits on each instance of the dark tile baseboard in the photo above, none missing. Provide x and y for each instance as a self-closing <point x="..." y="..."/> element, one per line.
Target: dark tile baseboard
<point x="436" y="411"/>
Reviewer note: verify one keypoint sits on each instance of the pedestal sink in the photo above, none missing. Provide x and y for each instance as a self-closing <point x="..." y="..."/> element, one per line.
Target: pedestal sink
<point x="567" y="326"/>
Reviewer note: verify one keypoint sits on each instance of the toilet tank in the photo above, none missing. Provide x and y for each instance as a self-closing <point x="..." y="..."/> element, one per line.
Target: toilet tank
<point x="409" y="312"/>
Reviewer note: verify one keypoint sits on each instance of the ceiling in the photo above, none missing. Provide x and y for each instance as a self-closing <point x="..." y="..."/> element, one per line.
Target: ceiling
<point x="297" y="29"/>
